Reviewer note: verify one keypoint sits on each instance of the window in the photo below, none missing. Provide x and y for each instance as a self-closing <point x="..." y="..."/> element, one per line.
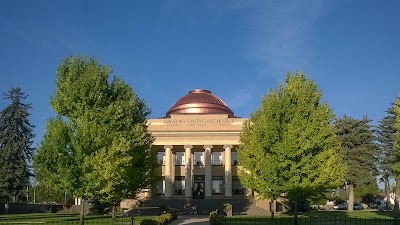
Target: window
<point x="161" y="158"/>
<point x="199" y="158"/>
<point x="199" y="178"/>
<point x="216" y="158"/>
<point x="160" y="187"/>
<point x="234" y="157"/>
<point x="180" y="159"/>
<point x="217" y="185"/>
<point x="179" y="185"/>
<point x="236" y="185"/>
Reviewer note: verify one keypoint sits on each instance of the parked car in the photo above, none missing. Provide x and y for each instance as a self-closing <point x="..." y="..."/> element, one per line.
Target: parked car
<point x="341" y="206"/>
<point x="357" y="206"/>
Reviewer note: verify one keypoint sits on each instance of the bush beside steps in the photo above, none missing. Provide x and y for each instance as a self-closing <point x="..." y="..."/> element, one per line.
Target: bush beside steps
<point x="214" y="218"/>
<point x="163" y="219"/>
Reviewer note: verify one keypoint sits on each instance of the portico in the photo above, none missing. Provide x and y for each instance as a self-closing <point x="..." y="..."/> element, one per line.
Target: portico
<point x="196" y="144"/>
<point x="206" y="166"/>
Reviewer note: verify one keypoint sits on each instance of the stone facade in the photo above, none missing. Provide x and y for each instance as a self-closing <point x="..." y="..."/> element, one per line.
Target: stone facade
<point x="198" y="155"/>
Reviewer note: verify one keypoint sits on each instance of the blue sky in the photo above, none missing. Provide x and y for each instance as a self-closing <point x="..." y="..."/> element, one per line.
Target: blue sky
<point x="236" y="49"/>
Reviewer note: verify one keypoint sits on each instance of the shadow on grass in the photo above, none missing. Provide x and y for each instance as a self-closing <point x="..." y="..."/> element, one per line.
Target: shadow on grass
<point x="34" y="216"/>
<point x="319" y="217"/>
<point x="346" y="214"/>
<point x="387" y="213"/>
<point x="68" y="219"/>
<point x="99" y="218"/>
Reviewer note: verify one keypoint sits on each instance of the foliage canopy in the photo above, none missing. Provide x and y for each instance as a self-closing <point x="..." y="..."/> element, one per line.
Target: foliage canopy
<point x="288" y="145"/>
<point x="98" y="145"/>
<point x="359" y="149"/>
<point x="15" y="146"/>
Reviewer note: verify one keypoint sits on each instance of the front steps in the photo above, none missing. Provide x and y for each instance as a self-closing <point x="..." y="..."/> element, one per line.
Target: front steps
<point x="205" y="206"/>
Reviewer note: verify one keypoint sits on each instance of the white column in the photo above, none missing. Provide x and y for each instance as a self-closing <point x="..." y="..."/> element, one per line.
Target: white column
<point x="228" y="171"/>
<point x="208" y="171"/>
<point x="188" y="167"/>
<point x="167" y="171"/>
<point x="173" y="163"/>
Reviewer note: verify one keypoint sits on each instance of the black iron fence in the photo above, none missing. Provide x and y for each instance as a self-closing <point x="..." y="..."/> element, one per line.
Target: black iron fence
<point x="303" y="221"/>
<point x="74" y="221"/>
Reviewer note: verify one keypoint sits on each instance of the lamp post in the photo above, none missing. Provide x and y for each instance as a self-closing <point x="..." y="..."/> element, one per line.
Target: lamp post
<point x="27" y="193"/>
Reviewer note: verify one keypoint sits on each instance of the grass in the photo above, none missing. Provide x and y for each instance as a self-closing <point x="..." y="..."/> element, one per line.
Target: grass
<point x="363" y="217"/>
<point x="66" y="219"/>
<point x="370" y="214"/>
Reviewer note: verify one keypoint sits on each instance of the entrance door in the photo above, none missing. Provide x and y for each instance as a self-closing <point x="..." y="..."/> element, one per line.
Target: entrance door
<point x="198" y="190"/>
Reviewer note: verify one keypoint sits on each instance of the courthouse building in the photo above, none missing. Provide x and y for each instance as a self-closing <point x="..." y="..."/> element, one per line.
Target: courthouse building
<point x="196" y="145"/>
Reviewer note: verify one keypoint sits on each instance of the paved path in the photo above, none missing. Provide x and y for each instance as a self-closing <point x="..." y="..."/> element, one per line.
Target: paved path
<point x="191" y="219"/>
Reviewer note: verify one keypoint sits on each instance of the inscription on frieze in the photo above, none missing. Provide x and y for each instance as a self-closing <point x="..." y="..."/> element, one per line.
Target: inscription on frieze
<point x="199" y="122"/>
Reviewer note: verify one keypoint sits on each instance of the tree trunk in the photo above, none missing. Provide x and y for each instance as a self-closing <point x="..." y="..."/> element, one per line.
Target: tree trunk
<point x="81" y="222"/>
<point x="351" y="198"/>
<point x="7" y="207"/>
<point x="271" y="208"/>
<point x="295" y="211"/>
<point x="387" y="190"/>
<point x="113" y="212"/>
<point x="274" y="206"/>
<point x="396" y="209"/>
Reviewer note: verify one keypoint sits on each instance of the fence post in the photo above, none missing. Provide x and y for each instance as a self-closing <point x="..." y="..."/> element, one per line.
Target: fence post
<point x="132" y="221"/>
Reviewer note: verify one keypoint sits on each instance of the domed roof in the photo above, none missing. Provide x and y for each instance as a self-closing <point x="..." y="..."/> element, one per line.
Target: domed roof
<point x="200" y="101"/>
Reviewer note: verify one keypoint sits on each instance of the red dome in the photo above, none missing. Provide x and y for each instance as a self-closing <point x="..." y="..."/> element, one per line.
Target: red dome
<point x="199" y="101"/>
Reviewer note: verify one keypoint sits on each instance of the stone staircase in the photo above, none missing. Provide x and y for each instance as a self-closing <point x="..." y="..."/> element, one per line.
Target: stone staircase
<point x="205" y="206"/>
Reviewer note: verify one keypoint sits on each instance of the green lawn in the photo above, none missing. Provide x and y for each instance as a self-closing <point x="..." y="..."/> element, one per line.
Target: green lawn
<point x="345" y="214"/>
<point x="66" y="219"/>
<point x="319" y="218"/>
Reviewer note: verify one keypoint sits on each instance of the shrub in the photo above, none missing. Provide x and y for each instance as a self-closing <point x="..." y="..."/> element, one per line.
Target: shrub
<point x="227" y="209"/>
<point x="174" y="216"/>
<point x="214" y="218"/>
<point x="227" y="206"/>
<point x="149" y="222"/>
<point x="165" y="219"/>
<point x="163" y="209"/>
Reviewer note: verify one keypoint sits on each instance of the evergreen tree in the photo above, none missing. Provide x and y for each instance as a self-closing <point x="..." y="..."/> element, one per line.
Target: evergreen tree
<point x="15" y="146"/>
<point x="288" y="145"/>
<point x="98" y="146"/>
<point x="359" y="151"/>
<point x="364" y="192"/>
<point x="386" y="134"/>
<point x="396" y="164"/>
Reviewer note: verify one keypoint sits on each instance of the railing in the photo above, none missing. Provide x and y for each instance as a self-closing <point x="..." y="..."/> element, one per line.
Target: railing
<point x="67" y="221"/>
<point x="303" y="221"/>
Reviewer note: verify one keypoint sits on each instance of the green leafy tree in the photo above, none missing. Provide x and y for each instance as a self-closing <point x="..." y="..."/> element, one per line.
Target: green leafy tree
<point x="396" y="164"/>
<point x="288" y="145"/>
<point x="15" y="146"/>
<point x="98" y="146"/>
<point x="386" y="134"/>
<point x="359" y="151"/>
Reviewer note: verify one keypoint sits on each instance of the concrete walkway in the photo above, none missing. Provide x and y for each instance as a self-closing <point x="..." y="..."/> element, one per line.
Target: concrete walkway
<point x="191" y="219"/>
